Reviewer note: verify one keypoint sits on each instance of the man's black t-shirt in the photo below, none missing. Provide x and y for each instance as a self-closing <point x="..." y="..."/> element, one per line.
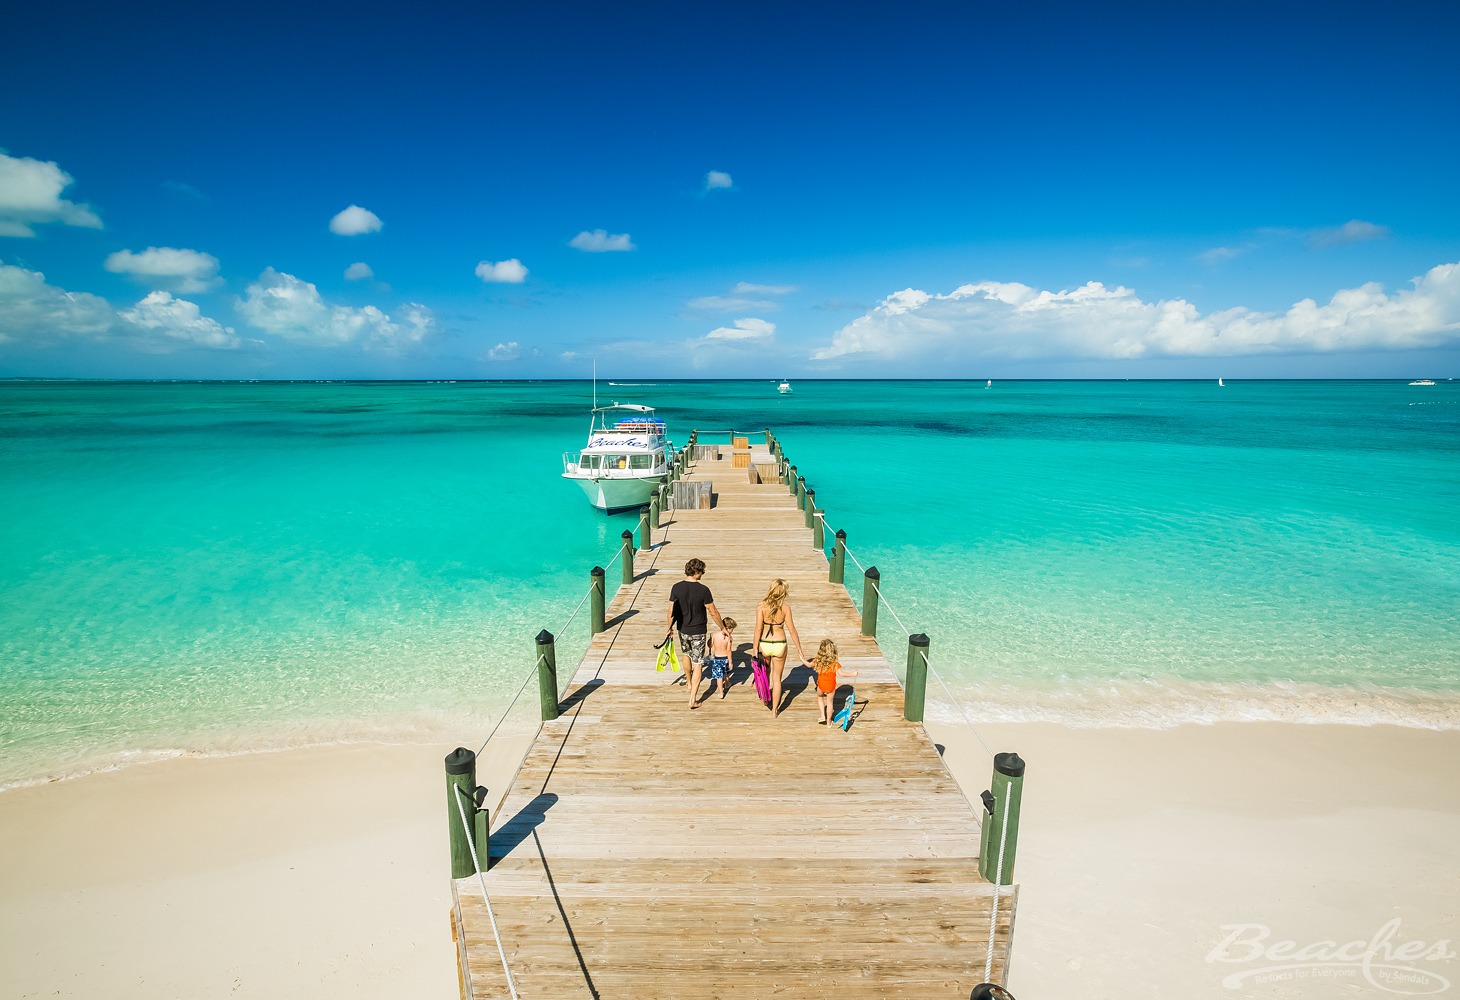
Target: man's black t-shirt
<point x="689" y="598"/>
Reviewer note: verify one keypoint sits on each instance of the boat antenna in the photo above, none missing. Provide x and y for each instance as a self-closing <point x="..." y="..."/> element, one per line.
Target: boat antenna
<point x="595" y="383"/>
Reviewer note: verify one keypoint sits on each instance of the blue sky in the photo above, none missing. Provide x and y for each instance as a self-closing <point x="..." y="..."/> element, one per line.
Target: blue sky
<point x="944" y="190"/>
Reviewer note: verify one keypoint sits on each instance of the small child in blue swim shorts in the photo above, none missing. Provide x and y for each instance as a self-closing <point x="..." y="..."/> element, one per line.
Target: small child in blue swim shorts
<point x="721" y="645"/>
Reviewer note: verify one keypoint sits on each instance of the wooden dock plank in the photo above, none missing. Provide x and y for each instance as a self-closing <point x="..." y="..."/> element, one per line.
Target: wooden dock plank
<point x="646" y="850"/>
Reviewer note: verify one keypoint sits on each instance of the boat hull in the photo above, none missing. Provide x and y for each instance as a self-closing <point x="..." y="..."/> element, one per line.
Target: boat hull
<point x="612" y="495"/>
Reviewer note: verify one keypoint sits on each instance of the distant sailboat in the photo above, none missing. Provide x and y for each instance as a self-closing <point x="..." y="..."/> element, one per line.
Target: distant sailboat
<point x="1220" y="382"/>
<point x="990" y="384"/>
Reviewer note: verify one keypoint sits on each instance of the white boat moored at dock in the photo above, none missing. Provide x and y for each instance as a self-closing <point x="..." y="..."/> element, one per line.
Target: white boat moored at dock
<point x="622" y="462"/>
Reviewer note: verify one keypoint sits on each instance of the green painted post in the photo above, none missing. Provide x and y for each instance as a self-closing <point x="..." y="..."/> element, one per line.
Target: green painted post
<point x="810" y="508"/>
<point x="547" y="675"/>
<point x="818" y="529"/>
<point x="791" y="480"/>
<point x="595" y="602"/>
<point x="1002" y="800"/>
<point x="838" y="571"/>
<point x="801" y="492"/>
<point x="915" y="690"/>
<point x="461" y="778"/>
<point x="870" y="582"/>
<point x="481" y="827"/>
<point x="654" y="509"/>
<point x="646" y="539"/>
<point x="628" y="557"/>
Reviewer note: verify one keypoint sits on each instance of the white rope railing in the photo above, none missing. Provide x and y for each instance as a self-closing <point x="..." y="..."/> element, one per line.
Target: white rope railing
<point x="564" y="630"/>
<point x="508" y="710"/>
<point x="988" y="966"/>
<point x="956" y="703"/>
<point x="928" y="662"/>
<point x="471" y="843"/>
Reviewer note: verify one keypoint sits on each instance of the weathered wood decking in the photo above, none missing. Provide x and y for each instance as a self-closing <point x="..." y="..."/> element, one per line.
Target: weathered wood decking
<point x="647" y="851"/>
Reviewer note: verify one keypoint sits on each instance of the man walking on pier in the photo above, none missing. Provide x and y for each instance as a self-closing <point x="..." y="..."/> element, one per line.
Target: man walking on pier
<point x="691" y="605"/>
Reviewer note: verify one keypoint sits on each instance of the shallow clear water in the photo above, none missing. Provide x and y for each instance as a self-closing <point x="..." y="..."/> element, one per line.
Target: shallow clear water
<point x="216" y="567"/>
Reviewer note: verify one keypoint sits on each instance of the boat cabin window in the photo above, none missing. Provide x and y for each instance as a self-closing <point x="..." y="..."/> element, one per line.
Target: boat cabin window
<point x="588" y="461"/>
<point x="641" y="462"/>
<point x="615" y="462"/>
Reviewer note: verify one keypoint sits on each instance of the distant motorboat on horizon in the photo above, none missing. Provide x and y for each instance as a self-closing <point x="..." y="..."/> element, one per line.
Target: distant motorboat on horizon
<point x="1423" y="381"/>
<point x="784" y="388"/>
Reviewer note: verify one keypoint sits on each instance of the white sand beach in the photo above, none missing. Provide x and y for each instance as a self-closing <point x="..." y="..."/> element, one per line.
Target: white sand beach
<point x="323" y="873"/>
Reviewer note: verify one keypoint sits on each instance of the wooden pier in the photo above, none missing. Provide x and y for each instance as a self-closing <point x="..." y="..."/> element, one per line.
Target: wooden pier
<point x="648" y="851"/>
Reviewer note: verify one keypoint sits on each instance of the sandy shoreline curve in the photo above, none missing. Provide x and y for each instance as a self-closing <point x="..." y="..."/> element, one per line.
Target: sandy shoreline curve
<point x="322" y="873"/>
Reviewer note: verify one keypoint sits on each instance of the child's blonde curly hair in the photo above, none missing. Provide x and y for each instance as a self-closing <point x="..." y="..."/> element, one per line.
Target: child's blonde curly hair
<point x="825" y="657"/>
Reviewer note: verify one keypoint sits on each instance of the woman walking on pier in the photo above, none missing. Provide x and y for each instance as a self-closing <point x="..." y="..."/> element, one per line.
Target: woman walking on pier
<point x="773" y="625"/>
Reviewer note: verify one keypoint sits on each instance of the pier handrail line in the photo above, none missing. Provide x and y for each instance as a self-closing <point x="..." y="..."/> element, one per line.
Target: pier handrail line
<point x="588" y="594"/>
<point x="508" y="710"/>
<point x="908" y="632"/>
<point x="957" y="704"/>
<point x="471" y="842"/>
<point x="988" y="962"/>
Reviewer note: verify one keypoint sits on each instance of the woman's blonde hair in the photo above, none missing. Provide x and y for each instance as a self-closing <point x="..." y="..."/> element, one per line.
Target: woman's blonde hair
<point x="825" y="657"/>
<point x="776" y="596"/>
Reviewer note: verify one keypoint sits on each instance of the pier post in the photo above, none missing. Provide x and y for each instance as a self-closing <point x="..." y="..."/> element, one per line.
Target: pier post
<point x="654" y="508"/>
<point x="838" y="572"/>
<point x="915" y="689"/>
<point x="870" y="582"/>
<point x="547" y="675"/>
<point x="810" y="508"/>
<point x="1002" y="823"/>
<point x="791" y="480"/>
<point x="628" y="556"/>
<point x="481" y="827"/>
<point x="818" y="529"/>
<point x="595" y="601"/>
<point x="646" y="540"/>
<point x="801" y="492"/>
<point x="461" y="778"/>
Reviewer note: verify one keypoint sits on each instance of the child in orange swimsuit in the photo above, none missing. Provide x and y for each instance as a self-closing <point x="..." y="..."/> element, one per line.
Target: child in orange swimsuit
<point x="826" y="666"/>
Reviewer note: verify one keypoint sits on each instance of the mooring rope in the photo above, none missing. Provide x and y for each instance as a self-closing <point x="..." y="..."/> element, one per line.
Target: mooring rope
<point x="471" y="842"/>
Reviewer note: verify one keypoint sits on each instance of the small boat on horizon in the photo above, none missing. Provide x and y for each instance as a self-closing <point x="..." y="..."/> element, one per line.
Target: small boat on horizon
<point x="1423" y="381"/>
<point x="622" y="462"/>
<point x="1220" y="382"/>
<point x="784" y="388"/>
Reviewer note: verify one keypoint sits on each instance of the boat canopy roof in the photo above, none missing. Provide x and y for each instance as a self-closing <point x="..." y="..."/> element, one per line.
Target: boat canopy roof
<point x="624" y="406"/>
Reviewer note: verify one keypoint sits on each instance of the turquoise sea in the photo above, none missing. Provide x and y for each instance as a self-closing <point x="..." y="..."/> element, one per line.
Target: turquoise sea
<point x="226" y="567"/>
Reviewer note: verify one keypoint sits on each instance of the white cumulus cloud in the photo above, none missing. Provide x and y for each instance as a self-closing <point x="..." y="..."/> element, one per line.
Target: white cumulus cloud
<point x="717" y="180"/>
<point x="359" y="271"/>
<point x="1014" y="321"/>
<point x="32" y="310"/>
<point x="30" y="195"/>
<point x="748" y="328"/>
<point x="167" y="267"/>
<point x="40" y="314"/>
<point x="599" y="241"/>
<point x="165" y="323"/>
<point x="355" y="221"/>
<point x="287" y="307"/>
<point x="509" y="271"/>
<point x="1352" y="231"/>
<point x="509" y="351"/>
